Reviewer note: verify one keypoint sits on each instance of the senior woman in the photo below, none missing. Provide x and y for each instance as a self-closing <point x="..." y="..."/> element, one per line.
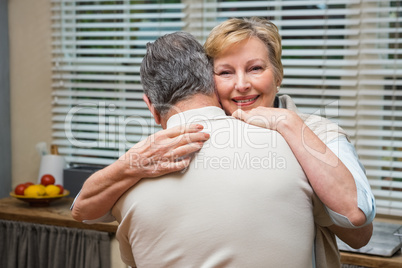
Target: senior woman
<point x="248" y="73"/>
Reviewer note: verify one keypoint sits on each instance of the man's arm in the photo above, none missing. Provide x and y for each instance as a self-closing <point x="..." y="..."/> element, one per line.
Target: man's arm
<point x="161" y="153"/>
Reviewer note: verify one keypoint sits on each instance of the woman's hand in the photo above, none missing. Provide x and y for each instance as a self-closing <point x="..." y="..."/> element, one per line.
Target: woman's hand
<point x="163" y="152"/>
<point x="265" y="117"/>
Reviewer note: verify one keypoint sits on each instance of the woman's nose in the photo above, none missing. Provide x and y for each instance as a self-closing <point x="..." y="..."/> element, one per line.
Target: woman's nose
<point x="242" y="83"/>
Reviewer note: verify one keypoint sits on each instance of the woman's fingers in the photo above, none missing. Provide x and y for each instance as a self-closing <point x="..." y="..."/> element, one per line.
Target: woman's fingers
<point x="191" y="138"/>
<point x="184" y="150"/>
<point x="265" y="117"/>
<point x="167" y="150"/>
<point x="182" y="129"/>
<point x="179" y="136"/>
<point x="253" y="117"/>
<point x="240" y="114"/>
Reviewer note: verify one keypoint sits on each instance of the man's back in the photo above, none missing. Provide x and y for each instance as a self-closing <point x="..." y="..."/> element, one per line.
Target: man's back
<point x="243" y="202"/>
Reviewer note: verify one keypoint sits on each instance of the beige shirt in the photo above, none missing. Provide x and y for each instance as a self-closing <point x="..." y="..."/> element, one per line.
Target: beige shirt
<point x="226" y="209"/>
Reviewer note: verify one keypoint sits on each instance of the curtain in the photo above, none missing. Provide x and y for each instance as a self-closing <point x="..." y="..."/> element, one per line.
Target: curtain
<point x="27" y="245"/>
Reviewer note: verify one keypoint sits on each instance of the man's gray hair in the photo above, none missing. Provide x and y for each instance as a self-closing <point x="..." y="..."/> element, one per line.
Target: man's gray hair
<point x="175" y="68"/>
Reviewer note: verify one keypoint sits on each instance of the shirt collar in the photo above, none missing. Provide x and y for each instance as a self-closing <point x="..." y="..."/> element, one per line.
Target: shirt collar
<point x="196" y="115"/>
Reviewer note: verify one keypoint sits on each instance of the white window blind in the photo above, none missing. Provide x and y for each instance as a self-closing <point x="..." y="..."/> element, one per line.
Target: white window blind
<point x="342" y="60"/>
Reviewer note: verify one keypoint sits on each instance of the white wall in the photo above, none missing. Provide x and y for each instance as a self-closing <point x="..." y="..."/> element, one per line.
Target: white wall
<point x="30" y="84"/>
<point x="30" y="90"/>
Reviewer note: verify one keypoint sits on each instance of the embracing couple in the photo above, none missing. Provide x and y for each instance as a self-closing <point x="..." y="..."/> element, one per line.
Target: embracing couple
<point x="200" y="193"/>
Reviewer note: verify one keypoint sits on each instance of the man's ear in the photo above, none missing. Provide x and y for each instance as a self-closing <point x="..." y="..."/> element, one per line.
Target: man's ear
<point x="151" y="107"/>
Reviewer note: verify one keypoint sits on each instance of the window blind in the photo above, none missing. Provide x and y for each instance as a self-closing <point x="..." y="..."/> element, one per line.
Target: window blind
<point x="342" y="60"/>
<point x="379" y="102"/>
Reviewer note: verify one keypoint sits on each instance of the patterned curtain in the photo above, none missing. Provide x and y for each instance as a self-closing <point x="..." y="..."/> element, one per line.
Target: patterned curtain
<point x="27" y="245"/>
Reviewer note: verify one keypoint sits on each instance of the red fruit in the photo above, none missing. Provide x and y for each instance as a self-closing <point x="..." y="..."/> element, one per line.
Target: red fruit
<point x="61" y="188"/>
<point x="47" y="179"/>
<point x="19" y="190"/>
<point x="28" y="183"/>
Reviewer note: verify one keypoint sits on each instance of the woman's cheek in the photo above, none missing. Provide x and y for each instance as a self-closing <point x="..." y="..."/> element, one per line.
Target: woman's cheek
<point x="224" y="87"/>
<point x="225" y="100"/>
<point x="228" y="106"/>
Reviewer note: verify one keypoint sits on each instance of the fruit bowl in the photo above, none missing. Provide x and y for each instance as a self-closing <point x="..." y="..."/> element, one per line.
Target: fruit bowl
<point x="40" y="201"/>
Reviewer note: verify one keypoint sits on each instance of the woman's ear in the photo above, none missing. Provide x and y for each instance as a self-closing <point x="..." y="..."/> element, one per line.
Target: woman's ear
<point x="151" y="108"/>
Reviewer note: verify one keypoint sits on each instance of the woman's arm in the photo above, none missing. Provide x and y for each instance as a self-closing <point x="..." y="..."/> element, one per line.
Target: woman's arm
<point x="346" y="153"/>
<point x="161" y="153"/>
<point x="356" y="238"/>
<point x="329" y="177"/>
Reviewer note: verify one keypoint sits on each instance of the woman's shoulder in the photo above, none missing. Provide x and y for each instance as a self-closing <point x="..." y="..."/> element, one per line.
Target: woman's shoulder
<point x="324" y="128"/>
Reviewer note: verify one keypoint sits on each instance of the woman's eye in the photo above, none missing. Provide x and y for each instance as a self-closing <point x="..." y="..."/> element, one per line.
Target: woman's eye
<point x="256" y="68"/>
<point x="222" y="73"/>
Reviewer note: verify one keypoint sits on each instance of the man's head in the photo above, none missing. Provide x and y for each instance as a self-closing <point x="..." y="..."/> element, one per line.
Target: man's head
<point x="174" y="69"/>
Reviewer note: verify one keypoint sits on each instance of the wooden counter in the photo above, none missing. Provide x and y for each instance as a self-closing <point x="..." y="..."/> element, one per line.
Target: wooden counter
<point x="372" y="261"/>
<point x="367" y="260"/>
<point x="57" y="213"/>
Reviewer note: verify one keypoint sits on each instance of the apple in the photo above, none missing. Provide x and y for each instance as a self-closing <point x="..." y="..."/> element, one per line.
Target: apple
<point x="61" y="188"/>
<point x="47" y="179"/>
<point x="19" y="190"/>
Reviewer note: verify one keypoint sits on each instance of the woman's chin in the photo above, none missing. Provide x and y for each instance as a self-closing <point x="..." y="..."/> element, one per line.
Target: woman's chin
<point x="232" y="109"/>
<point x="245" y="107"/>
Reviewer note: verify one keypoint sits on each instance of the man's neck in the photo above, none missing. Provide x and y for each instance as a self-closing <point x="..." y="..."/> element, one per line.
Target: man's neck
<point x="195" y="102"/>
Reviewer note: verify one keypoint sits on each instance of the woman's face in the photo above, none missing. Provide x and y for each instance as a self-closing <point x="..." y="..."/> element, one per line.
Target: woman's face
<point x="244" y="76"/>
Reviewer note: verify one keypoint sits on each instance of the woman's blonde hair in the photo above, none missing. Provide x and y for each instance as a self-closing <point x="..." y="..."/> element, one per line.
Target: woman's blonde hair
<point x="236" y="30"/>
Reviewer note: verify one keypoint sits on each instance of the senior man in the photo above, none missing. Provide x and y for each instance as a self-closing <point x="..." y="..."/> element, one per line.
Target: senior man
<point x="225" y="209"/>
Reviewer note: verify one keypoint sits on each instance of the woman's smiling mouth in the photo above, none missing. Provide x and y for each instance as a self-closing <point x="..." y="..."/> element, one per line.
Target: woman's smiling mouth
<point x="245" y="100"/>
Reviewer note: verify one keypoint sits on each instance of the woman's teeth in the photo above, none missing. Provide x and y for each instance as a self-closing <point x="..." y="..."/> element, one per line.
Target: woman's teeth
<point x="247" y="100"/>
